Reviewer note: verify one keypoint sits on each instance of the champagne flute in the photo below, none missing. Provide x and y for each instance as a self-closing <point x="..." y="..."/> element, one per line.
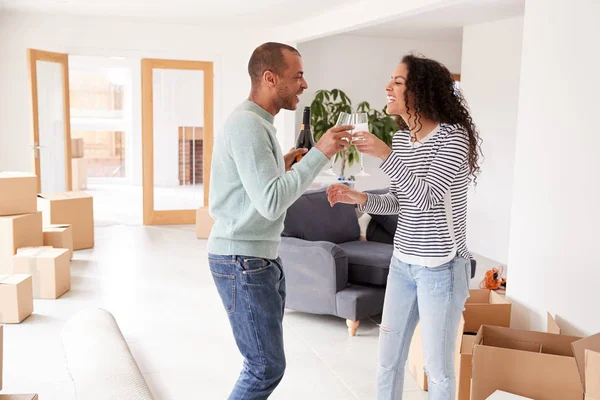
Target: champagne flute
<point x="343" y="119"/>
<point x="361" y="124"/>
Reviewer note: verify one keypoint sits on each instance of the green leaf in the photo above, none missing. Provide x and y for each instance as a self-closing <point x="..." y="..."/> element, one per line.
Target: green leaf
<point x="334" y="94"/>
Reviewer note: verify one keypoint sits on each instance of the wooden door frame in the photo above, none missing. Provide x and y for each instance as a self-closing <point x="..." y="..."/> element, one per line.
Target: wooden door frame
<point x="33" y="56"/>
<point x="173" y="217"/>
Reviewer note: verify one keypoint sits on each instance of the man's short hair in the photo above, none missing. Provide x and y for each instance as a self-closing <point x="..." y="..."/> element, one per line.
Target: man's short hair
<point x="268" y="57"/>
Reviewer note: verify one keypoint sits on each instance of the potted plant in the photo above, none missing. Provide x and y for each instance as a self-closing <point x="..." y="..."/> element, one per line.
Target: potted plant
<point x="327" y="106"/>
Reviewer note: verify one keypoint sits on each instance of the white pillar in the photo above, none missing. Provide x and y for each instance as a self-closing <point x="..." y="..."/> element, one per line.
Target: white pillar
<point x="554" y="243"/>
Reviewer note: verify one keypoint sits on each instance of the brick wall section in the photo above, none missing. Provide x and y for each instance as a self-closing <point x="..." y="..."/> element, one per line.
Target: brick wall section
<point x="187" y="148"/>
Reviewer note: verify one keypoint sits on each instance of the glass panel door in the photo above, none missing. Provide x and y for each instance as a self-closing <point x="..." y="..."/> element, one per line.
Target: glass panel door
<point x="177" y="104"/>
<point x="49" y="76"/>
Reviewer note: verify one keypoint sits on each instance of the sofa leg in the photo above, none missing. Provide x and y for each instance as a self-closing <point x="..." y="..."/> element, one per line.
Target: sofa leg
<point x="352" y="326"/>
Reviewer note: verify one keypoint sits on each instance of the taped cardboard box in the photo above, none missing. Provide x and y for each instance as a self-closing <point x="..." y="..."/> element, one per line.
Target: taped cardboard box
<point x="18" y="231"/>
<point x="527" y="363"/>
<point x="18" y="397"/>
<point x="72" y="208"/>
<point x="59" y="236"/>
<point x="16" y="298"/>
<point x="18" y="193"/>
<point x="482" y="307"/>
<point x="49" y="268"/>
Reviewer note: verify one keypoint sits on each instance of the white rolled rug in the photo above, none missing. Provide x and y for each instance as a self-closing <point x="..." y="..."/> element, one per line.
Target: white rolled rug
<point x="99" y="360"/>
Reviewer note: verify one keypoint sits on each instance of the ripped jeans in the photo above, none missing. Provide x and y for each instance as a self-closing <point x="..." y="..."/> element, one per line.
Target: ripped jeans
<point x="436" y="297"/>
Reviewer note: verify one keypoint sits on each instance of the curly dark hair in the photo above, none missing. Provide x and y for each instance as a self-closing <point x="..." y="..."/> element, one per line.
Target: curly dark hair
<point x="435" y="97"/>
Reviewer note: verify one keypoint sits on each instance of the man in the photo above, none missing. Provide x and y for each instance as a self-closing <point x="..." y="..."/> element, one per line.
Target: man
<point x="252" y="185"/>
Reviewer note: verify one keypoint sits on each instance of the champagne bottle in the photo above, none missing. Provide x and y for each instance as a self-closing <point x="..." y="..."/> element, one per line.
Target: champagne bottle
<point x="305" y="138"/>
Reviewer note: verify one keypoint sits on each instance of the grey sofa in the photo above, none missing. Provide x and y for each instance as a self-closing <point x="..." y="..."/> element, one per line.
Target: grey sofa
<point x="328" y="269"/>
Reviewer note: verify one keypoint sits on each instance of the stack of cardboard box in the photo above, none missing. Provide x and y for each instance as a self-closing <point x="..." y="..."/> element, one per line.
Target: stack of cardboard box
<point x="494" y="361"/>
<point x="483" y="307"/>
<point x="20" y="226"/>
<point x="38" y="234"/>
<point x="536" y="365"/>
<point x="70" y="208"/>
<point x="20" y="221"/>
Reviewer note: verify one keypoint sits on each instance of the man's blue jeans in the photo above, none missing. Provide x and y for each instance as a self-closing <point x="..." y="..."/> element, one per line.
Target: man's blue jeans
<point x="253" y="293"/>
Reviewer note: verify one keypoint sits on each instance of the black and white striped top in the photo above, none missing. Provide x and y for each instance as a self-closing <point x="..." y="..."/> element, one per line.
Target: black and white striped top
<point x="429" y="182"/>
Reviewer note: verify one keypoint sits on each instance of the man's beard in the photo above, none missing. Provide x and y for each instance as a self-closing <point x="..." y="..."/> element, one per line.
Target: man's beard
<point x="287" y="100"/>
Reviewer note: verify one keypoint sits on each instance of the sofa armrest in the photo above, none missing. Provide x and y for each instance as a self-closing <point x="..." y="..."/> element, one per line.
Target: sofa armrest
<point x="314" y="273"/>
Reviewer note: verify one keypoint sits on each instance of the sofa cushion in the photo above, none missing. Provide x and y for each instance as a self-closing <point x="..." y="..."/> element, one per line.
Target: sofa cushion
<point x="376" y="233"/>
<point x="387" y="222"/>
<point x="368" y="262"/>
<point x="312" y="218"/>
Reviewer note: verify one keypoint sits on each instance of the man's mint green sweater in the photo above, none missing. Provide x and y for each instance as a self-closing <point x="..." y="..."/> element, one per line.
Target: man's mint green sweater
<point x="250" y="190"/>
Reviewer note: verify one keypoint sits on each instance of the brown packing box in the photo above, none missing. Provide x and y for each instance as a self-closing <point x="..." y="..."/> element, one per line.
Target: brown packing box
<point x="592" y="375"/>
<point x="77" y="150"/>
<point x="204" y="223"/>
<point x="483" y="307"/>
<point x="18" y="231"/>
<point x="16" y="298"/>
<point x="486" y="307"/>
<point x="1" y="344"/>
<point x="59" y="236"/>
<point x="533" y="364"/>
<point x="416" y="358"/>
<point x="49" y="268"/>
<point x="79" y="174"/>
<point x="73" y="208"/>
<point x="18" y="191"/>
<point x="463" y="367"/>
<point x="18" y="397"/>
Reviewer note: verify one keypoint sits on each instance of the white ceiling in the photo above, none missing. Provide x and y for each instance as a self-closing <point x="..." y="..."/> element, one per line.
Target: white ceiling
<point x="275" y="12"/>
<point x="445" y="23"/>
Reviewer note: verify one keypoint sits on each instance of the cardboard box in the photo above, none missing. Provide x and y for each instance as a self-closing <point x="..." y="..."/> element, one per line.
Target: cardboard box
<point x="77" y="149"/>
<point x="500" y="395"/>
<point x="59" y="236"/>
<point x="464" y="362"/>
<point x="204" y="223"/>
<point x="79" y="174"/>
<point x="1" y="344"/>
<point x="73" y="208"/>
<point x="50" y="270"/>
<point x="18" y="231"/>
<point x="16" y="298"/>
<point x="482" y="307"/>
<point x="416" y="358"/>
<point x="486" y="307"/>
<point x="528" y="363"/>
<point x="592" y="375"/>
<point x="18" y="397"/>
<point x="18" y="191"/>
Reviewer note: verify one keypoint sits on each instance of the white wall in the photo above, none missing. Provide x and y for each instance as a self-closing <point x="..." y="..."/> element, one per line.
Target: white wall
<point x="228" y="47"/>
<point x="553" y="262"/>
<point x="491" y="66"/>
<point x="361" y="67"/>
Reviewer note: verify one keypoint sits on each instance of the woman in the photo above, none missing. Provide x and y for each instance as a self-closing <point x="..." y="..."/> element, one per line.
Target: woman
<point x="433" y="159"/>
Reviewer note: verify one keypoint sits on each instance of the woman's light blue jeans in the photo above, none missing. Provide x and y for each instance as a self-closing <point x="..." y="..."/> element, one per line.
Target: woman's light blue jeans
<point x="436" y="297"/>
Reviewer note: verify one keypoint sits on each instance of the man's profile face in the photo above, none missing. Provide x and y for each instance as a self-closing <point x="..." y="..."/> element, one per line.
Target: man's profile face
<point x="291" y="82"/>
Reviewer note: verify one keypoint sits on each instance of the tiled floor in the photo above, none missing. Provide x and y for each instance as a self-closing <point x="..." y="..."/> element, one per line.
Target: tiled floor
<point x="156" y="282"/>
